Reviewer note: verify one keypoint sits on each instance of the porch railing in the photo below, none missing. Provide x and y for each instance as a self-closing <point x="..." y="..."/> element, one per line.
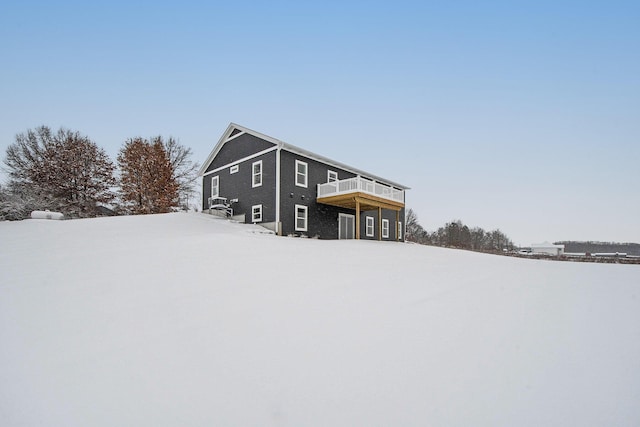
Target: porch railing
<point x="360" y="184"/>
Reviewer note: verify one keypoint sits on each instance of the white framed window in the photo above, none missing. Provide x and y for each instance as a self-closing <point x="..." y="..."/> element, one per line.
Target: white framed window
<point x="234" y="169"/>
<point x="301" y="218"/>
<point x="332" y="176"/>
<point x="301" y="173"/>
<point x="256" y="213"/>
<point x="399" y="230"/>
<point x="215" y="186"/>
<point x="370" y="226"/>
<point x="385" y="228"/>
<point x="256" y="168"/>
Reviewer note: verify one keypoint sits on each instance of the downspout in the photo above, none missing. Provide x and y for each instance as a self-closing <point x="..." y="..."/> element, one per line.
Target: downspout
<point x="278" y="226"/>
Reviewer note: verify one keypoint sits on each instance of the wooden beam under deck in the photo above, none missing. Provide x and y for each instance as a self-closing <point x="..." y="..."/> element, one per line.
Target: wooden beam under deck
<point x="363" y="201"/>
<point x="357" y="220"/>
<point x="379" y="223"/>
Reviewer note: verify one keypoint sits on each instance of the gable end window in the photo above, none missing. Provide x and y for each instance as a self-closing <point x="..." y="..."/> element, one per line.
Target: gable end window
<point x="301" y="174"/>
<point x="301" y="218"/>
<point x="256" y="168"/>
<point x="215" y="186"/>
<point x="385" y="228"/>
<point x="370" y="226"/>
<point x="256" y="213"/>
<point x="332" y="176"/>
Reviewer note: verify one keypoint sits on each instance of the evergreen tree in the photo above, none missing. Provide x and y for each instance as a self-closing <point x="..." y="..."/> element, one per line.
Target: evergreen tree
<point x="477" y="238"/>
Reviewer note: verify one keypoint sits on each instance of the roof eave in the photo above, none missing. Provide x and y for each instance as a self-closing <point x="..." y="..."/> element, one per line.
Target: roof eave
<point x="294" y="149"/>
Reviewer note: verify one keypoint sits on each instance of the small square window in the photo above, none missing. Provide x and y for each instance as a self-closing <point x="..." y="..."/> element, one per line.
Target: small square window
<point x="370" y="227"/>
<point x="301" y="218"/>
<point x="301" y="174"/>
<point x="256" y="213"/>
<point x="385" y="228"/>
<point x="332" y="176"/>
<point x="256" y="168"/>
<point x="234" y="169"/>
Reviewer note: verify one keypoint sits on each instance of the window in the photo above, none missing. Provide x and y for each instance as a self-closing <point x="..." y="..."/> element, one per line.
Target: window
<point x="256" y="213"/>
<point x="399" y="231"/>
<point x="234" y="169"/>
<point x="332" y="176"/>
<point x="385" y="228"/>
<point x="369" y="229"/>
<point x="301" y="218"/>
<point x="215" y="186"/>
<point x="257" y="174"/>
<point x="301" y="174"/>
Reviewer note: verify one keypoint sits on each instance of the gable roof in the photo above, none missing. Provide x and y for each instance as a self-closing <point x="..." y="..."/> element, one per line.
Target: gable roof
<point x="291" y="148"/>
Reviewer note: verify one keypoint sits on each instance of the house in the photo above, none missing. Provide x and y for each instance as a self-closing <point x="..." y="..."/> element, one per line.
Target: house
<point x="255" y="178"/>
<point x="547" y="248"/>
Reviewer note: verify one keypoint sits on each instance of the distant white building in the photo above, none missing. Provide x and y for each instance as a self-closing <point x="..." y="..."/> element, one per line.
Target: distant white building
<point x="547" y="248"/>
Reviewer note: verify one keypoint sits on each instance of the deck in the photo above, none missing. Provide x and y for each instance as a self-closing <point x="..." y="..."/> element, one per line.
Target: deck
<point x="348" y="193"/>
<point x="361" y="194"/>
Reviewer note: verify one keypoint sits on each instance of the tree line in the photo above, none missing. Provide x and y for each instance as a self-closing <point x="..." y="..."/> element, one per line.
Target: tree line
<point x="455" y="234"/>
<point x="67" y="172"/>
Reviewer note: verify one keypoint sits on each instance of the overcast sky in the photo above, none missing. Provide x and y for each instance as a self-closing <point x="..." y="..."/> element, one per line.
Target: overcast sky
<point x="518" y="115"/>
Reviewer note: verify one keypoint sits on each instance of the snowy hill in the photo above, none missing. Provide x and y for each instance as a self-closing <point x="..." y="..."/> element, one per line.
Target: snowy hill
<point x="185" y="319"/>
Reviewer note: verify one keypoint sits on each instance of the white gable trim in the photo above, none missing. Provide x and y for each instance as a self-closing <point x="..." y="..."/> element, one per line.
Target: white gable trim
<point x="237" y="162"/>
<point x="226" y="138"/>
<point x="234" y="136"/>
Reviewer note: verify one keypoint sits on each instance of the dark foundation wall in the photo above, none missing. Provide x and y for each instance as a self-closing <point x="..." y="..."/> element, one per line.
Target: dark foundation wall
<point x="238" y="148"/>
<point x="386" y="214"/>
<point x="239" y="186"/>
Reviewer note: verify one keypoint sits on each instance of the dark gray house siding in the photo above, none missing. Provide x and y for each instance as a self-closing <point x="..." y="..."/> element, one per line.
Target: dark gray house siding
<point x="322" y="219"/>
<point x="239" y="186"/>
<point x="386" y="214"/>
<point x="238" y="148"/>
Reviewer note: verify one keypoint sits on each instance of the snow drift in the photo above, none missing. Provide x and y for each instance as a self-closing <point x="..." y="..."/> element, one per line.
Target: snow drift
<point x="185" y="319"/>
<point x="46" y="215"/>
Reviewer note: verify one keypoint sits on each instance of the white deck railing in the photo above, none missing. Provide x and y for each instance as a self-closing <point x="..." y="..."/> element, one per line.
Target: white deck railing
<point x="352" y="185"/>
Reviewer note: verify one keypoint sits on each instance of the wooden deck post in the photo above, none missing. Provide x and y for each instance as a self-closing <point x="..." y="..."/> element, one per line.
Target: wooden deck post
<point x="357" y="219"/>
<point x="379" y="223"/>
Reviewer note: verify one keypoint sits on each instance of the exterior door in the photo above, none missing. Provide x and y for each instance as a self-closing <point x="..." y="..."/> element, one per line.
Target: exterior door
<point x="346" y="226"/>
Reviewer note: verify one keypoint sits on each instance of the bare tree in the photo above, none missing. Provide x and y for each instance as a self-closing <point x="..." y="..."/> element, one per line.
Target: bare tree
<point x="414" y="231"/>
<point x="147" y="180"/>
<point x="63" y="171"/>
<point x="184" y="169"/>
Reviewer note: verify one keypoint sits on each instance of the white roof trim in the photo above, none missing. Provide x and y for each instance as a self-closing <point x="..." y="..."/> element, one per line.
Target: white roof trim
<point x="293" y="149"/>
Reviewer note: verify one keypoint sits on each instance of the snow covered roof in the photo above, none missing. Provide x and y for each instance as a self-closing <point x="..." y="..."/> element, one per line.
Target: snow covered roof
<point x="546" y="245"/>
<point x="294" y="149"/>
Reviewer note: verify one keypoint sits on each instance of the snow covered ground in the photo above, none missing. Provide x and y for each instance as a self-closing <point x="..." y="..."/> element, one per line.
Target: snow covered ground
<point x="185" y="319"/>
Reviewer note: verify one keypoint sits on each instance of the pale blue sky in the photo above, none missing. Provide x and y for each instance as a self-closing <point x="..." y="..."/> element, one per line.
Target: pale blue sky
<point x="518" y="115"/>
